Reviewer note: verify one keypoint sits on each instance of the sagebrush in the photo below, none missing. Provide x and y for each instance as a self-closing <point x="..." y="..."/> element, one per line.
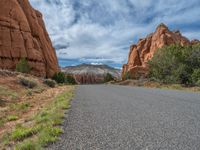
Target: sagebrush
<point x="176" y="64"/>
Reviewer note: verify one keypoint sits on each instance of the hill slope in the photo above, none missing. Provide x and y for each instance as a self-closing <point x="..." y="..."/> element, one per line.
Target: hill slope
<point x="91" y="74"/>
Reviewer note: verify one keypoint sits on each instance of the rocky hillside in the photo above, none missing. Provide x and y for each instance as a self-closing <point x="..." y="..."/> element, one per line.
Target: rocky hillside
<point x="144" y="50"/>
<point x="23" y="35"/>
<point x="91" y="74"/>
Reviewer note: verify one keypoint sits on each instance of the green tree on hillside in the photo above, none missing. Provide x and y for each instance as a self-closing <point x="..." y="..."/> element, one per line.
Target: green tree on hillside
<point x="175" y="64"/>
<point x="108" y="77"/>
<point x="23" y="66"/>
<point x="59" y="77"/>
<point x="69" y="79"/>
<point x="126" y="76"/>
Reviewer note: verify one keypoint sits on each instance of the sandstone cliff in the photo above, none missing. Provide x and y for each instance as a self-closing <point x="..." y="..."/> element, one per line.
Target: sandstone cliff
<point x="141" y="53"/>
<point x="91" y="74"/>
<point x="23" y="35"/>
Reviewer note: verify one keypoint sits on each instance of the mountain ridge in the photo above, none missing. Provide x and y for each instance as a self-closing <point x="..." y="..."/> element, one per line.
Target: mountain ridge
<point x="91" y="74"/>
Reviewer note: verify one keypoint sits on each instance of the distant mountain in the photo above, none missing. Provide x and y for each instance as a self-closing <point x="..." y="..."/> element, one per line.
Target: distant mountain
<point x="91" y="74"/>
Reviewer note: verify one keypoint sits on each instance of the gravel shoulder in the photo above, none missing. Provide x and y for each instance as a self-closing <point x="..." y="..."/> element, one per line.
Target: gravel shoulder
<point x="110" y="117"/>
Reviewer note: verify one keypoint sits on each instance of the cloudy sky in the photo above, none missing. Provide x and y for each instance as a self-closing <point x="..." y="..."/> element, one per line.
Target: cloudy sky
<point x="101" y="31"/>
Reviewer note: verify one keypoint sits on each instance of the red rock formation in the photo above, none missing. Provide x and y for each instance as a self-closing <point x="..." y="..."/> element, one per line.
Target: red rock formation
<point x="141" y="53"/>
<point x="23" y="35"/>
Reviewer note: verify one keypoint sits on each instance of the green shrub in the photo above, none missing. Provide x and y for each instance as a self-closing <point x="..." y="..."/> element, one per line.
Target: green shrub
<point x="126" y="76"/>
<point x="50" y="83"/>
<point x="198" y="83"/>
<point x="28" y="82"/>
<point x="59" y="77"/>
<point x="196" y="76"/>
<point x="28" y="145"/>
<point x="23" y="66"/>
<point x="12" y="118"/>
<point x="20" y="133"/>
<point x="69" y="79"/>
<point x="175" y="64"/>
<point x="108" y="77"/>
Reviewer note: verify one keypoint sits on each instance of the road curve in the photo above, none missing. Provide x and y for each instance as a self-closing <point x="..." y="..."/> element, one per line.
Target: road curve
<point x="109" y="117"/>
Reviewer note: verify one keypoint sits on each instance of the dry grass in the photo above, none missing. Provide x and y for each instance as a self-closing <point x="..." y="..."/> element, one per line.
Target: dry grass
<point x="151" y="84"/>
<point x="19" y="105"/>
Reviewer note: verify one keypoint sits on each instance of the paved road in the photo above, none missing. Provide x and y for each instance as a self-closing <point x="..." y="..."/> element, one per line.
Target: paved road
<point x="108" y="117"/>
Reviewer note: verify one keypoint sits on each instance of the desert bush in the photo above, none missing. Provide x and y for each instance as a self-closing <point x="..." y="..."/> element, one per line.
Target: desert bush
<point x="59" y="77"/>
<point x="108" y="77"/>
<point x="198" y="83"/>
<point x="196" y="76"/>
<point x="69" y="79"/>
<point x="126" y="76"/>
<point x="23" y="66"/>
<point x="50" y="83"/>
<point x="27" y="81"/>
<point x="175" y="64"/>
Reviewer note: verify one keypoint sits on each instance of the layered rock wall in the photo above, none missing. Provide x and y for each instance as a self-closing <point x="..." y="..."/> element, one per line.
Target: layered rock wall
<point x="23" y="35"/>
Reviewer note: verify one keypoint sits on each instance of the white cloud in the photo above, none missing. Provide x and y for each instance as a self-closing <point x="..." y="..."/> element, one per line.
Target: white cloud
<point x="102" y="31"/>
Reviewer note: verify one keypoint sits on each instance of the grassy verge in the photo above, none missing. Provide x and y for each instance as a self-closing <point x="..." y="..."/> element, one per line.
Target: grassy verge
<point x="6" y="92"/>
<point x="172" y="86"/>
<point x="151" y="84"/>
<point x="43" y="128"/>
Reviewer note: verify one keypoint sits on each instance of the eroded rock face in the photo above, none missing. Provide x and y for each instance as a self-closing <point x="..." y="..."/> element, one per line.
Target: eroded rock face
<point x="23" y="35"/>
<point x="141" y="53"/>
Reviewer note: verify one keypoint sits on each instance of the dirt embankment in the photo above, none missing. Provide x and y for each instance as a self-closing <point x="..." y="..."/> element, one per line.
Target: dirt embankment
<point x="19" y="103"/>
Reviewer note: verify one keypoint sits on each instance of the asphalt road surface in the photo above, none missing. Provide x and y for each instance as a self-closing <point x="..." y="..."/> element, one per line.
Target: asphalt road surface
<point x="108" y="117"/>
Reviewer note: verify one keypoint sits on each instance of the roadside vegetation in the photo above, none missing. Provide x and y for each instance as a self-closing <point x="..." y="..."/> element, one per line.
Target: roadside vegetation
<point x="126" y="76"/>
<point x="108" y="77"/>
<point x="176" y="64"/>
<point x="51" y="83"/>
<point x="45" y="125"/>
<point x="172" y="67"/>
<point x="62" y="78"/>
<point x="27" y="81"/>
<point x="23" y="66"/>
<point x="30" y="116"/>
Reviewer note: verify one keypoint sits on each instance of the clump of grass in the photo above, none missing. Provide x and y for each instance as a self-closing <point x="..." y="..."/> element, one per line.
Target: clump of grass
<point x="37" y="90"/>
<point x="49" y="134"/>
<point x="5" y="91"/>
<point x="44" y="128"/>
<point x="12" y="118"/>
<point x="27" y="145"/>
<point x="23" y="66"/>
<point x="27" y="82"/>
<point x="20" y="133"/>
<point x="6" y="138"/>
<point x="2" y="121"/>
<point x="20" y="107"/>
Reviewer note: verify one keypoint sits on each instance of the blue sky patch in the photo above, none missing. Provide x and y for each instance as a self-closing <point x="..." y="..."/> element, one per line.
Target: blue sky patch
<point x="94" y="31"/>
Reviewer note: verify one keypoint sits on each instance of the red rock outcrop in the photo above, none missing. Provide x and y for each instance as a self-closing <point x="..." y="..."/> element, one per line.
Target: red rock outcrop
<point x="141" y="53"/>
<point x="23" y="35"/>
